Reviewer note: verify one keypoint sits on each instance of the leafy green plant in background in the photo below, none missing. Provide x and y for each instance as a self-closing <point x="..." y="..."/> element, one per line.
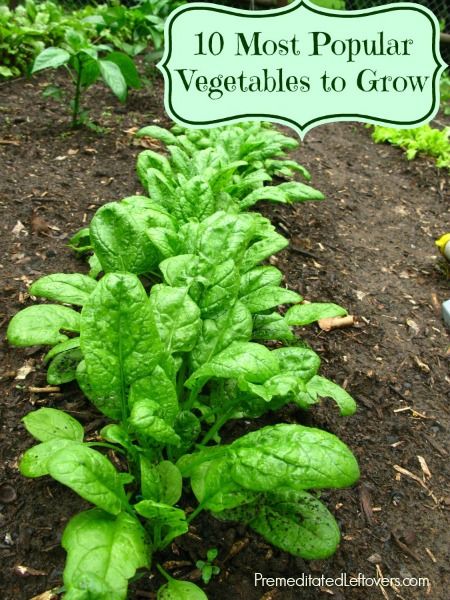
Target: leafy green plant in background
<point x="83" y="62"/>
<point x="334" y="4"/>
<point x="422" y="140"/>
<point x="445" y="93"/>
<point x="261" y="146"/>
<point x="29" y="28"/>
<point x="168" y="365"/>
<point x="197" y="180"/>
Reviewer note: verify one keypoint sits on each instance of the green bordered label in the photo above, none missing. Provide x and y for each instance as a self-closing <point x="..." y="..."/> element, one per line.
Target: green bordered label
<point x="302" y="65"/>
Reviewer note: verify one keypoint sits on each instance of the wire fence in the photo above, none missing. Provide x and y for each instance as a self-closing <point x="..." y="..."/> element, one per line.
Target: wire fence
<point x="441" y="8"/>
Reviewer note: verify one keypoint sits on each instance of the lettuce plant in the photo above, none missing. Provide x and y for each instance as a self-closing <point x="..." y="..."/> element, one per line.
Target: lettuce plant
<point x="422" y="140"/>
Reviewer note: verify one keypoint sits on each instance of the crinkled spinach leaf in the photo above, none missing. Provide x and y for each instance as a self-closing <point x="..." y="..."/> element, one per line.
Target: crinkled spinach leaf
<point x="119" y="341"/>
<point x="103" y="554"/>
<point x="73" y="288"/>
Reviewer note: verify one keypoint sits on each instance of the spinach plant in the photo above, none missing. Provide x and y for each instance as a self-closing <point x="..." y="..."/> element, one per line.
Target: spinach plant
<point x="168" y="378"/>
<point x="191" y="185"/>
<point x="258" y="145"/>
<point x="167" y="347"/>
<point x="83" y="61"/>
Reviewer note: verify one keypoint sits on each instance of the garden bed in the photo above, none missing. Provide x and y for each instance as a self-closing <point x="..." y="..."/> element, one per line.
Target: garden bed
<point x="368" y="246"/>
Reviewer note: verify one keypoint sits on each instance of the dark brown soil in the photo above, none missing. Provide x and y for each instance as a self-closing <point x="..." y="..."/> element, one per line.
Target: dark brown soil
<point x="368" y="246"/>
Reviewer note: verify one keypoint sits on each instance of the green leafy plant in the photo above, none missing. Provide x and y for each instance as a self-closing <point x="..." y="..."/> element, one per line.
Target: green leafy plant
<point x="191" y="185"/>
<point x="85" y="65"/>
<point x="167" y="347"/>
<point x="334" y="4"/>
<point x="29" y="28"/>
<point x="445" y="93"/>
<point x="423" y="140"/>
<point x="259" y="146"/>
<point x="207" y="567"/>
<point x="169" y="372"/>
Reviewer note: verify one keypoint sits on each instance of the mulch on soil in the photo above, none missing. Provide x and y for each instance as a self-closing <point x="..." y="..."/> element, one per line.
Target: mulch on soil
<point x="368" y="246"/>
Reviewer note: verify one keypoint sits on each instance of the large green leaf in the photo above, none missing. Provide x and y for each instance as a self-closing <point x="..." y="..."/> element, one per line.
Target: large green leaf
<point x="292" y="457"/>
<point x="240" y="360"/>
<point x="161" y="482"/>
<point x="34" y="461"/>
<point x="50" y="58"/>
<point x="196" y="200"/>
<point x="119" y="237"/>
<point x="259" y="277"/>
<point x="233" y="325"/>
<point x="303" y="314"/>
<point x="271" y="327"/>
<point x="159" y="388"/>
<point x="180" y="270"/>
<point x="158" y="133"/>
<point x="215" y="488"/>
<point x="286" y="193"/>
<point x="220" y="289"/>
<point x="170" y="482"/>
<point x="148" y="159"/>
<point x="114" y="79"/>
<point x="63" y="367"/>
<point x="90" y="71"/>
<point x="294" y="521"/>
<point x="73" y="288"/>
<point x="282" y="385"/>
<point x="90" y="475"/>
<point x="103" y="554"/>
<point x="70" y="344"/>
<point x="300" y="361"/>
<point x="224" y="236"/>
<point x="324" y="388"/>
<point x="271" y="243"/>
<point x="127" y="68"/>
<point x="177" y="317"/>
<point x="269" y="297"/>
<point x="119" y="341"/>
<point x="146" y="419"/>
<point x="42" y="324"/>
<point x="46" y="424"/>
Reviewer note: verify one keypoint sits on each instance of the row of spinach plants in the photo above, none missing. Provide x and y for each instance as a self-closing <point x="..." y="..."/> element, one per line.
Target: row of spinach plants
<point x="170" y="344"/>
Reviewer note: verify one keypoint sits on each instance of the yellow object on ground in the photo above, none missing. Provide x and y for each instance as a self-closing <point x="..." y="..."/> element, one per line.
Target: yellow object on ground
<point x="443" y="243"/>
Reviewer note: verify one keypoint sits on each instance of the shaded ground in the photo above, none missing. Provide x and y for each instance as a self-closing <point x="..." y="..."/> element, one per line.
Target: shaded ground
<point x="369" y="246"/>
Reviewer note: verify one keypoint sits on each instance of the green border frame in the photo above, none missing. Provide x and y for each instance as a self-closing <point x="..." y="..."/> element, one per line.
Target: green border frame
<point x="300" y="128"/>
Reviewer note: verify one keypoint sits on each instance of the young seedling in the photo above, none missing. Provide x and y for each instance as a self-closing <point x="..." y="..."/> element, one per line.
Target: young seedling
<point x="207" y="568"/>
